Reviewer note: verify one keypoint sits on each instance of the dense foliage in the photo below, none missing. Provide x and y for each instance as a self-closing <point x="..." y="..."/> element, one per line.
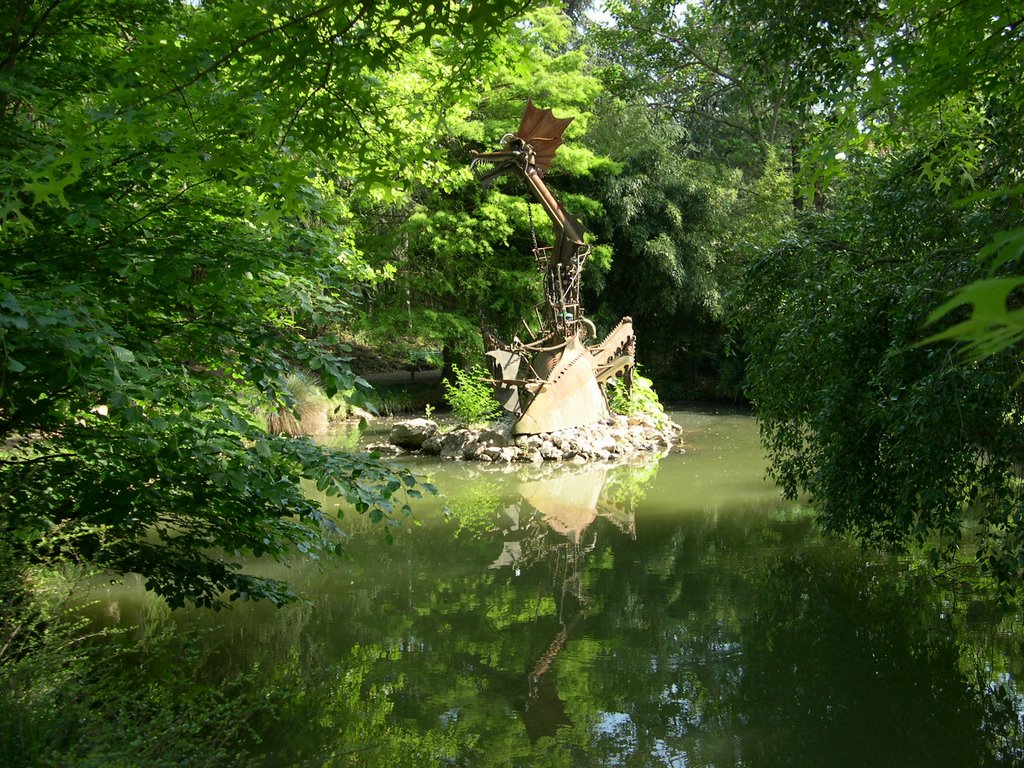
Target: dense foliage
<point x="818" y="202"/>
<point x="897" y="437"/>
<point x="178" y="179"/>
<point x="890" y="131"/>
<point x="893" y="440"/>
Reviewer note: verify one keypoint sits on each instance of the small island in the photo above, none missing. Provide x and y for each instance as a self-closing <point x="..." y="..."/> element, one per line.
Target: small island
<point x="614" y="438"/>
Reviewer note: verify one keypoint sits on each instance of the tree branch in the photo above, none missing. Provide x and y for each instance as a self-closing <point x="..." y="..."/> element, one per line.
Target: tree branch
<point x="746" y="129"/>
<point x="237" y="47"/>
<point x="166" y="203"/>
<point x="37" y="459"/>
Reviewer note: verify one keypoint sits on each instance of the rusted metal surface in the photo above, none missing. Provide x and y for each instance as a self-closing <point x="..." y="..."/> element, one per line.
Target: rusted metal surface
<point x="555" y="381"/>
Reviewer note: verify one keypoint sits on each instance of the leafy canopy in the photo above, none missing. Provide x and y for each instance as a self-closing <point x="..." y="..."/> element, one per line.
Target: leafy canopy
<point x="175" y="239"/>
<point x="459" y="256"/>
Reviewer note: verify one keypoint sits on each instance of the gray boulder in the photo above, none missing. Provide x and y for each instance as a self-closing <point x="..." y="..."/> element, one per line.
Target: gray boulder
<point x="497" y="435"/>
<point x="432" y="445"/>
<point x="457" y="444"/>
<point x="412" y="434"/>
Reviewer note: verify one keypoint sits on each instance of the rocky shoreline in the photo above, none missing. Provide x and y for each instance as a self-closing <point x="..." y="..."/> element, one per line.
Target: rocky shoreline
<point x="614" y="438"/>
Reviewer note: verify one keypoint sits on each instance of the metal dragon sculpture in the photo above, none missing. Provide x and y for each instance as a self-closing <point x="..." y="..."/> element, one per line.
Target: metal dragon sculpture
<point x="556" y="380"/>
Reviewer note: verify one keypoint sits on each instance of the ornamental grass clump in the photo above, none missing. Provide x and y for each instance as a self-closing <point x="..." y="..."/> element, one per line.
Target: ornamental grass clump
<point x="310" y="412"/>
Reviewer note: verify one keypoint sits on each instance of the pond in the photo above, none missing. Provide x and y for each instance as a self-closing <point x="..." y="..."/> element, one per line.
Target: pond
<point x="670" y="613"/>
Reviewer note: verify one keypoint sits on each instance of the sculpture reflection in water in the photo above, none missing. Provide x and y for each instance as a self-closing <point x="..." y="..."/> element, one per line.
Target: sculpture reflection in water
<point x="548" y="521"/>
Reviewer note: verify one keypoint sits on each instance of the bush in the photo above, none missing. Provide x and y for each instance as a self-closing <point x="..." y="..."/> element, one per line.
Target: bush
<point x="638" y="399"/>
<point x="471" y="398"/>
<point x="72" y="694"/>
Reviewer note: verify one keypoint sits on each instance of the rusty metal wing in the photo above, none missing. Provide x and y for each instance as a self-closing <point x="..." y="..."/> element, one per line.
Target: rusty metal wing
<point x="543" y="131"/>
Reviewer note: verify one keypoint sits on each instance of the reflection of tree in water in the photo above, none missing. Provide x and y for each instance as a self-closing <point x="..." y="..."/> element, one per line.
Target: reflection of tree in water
<point x="812" y="662"/>
<point x="847" y="665"/>
<point x="679" y="643"/>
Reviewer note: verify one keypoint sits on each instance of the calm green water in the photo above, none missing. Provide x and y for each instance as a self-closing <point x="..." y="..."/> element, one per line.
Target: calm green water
<point x="677" y="613"/>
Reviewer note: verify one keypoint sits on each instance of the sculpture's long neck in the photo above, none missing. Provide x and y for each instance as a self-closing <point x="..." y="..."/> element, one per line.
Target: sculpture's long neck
<point x="568" y="232"/>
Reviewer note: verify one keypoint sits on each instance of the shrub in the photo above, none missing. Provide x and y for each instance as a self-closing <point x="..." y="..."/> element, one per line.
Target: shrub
<point x="471" y="398"/>
<point x="638" y="399"/>
<point x="75" y="694"/>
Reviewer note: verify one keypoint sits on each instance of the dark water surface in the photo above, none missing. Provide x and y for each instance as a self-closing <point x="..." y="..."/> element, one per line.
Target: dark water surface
<point x="674" y="613"/>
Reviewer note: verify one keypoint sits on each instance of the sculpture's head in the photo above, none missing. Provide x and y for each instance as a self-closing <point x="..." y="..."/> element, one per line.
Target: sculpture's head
<point x="515" y="153"/>
<point x="531" y="149"/>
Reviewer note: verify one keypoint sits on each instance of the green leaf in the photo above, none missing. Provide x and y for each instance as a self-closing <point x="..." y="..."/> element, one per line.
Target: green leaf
<point x="991" y="326"/>
<point x="122" y="354"/>
<point x="1004" y="248"/>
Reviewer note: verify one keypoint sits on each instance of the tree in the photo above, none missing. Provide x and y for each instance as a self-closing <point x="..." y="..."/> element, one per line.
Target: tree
<point x="746" y="77"/>
<point x="460" y="255"/>
<point x="705" y="134"/>
<point x="175" y="239"/>
<point x="956" y="84"/>
<point x="893" y="441"/>
<point x="897" y="441"/>
<point x="665" y="218"/>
